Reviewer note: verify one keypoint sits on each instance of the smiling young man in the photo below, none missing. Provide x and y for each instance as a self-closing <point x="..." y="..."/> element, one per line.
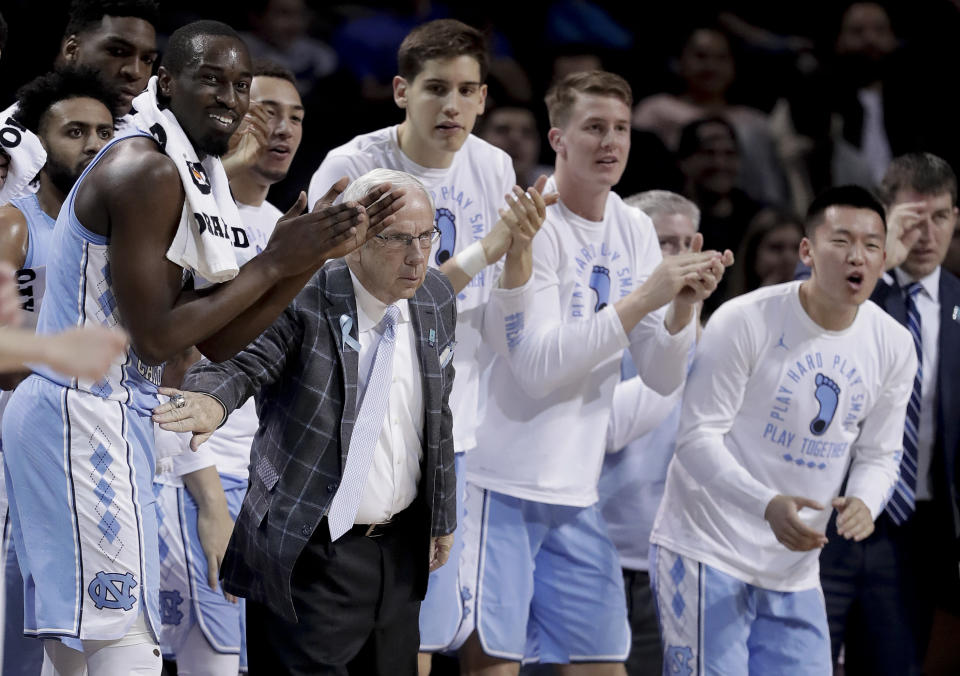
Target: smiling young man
<point x="80" y="453"/>
<point x="440" y="87"/>
<point x="549" y="585"/>
<point x="202" y="630"/>
<point x="792" y="386"/>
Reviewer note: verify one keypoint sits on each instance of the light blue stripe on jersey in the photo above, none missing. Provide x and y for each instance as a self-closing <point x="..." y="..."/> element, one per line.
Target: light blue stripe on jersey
<point x="80" y="291"/>
<point x="40" y="228"/>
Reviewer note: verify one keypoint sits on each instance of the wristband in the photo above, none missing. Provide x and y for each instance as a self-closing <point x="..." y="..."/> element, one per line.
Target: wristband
<point x="472" y="259"/>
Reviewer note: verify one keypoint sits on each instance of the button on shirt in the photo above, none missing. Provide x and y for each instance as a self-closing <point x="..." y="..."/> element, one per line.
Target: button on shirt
<point x="928" y="305"/>
<point x="395" y="470"/>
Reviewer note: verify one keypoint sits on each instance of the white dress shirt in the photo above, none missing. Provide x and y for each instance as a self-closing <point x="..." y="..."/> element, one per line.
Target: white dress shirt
<point x="395" y="470"/>
<point x="928" y="305"/>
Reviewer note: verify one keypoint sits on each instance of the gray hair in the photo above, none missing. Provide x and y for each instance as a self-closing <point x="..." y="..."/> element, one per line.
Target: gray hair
<point x="361" y="186"/>
<point x="663" y="202"/>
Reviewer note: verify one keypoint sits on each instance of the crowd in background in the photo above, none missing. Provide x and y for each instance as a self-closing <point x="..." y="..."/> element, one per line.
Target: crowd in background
<point x="807" y="95"/>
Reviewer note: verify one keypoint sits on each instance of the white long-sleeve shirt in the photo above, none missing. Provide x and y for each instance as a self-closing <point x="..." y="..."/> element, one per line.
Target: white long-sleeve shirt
<point x="558" y="341"/>
<point x="467" y="195"/>
<point x="776" y="404"/>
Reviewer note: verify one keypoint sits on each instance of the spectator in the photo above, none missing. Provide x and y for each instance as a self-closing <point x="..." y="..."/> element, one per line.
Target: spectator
<point x="280" y="35"/>
<point x="706" y="67"/>
<point x="709" y="158"/>
<point x="513" y="129"/>
<point x="768" y="254"/>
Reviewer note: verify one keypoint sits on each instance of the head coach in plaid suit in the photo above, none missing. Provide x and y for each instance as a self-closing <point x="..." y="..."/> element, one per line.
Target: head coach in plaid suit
<point x="352" y="487"/>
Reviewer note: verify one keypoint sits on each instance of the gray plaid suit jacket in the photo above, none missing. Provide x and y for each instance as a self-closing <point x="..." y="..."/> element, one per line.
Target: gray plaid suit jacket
<point x="305" y="382"/>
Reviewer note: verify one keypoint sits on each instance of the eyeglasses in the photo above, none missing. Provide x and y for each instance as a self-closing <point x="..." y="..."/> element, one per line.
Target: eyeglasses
<point x="400" y="242"/>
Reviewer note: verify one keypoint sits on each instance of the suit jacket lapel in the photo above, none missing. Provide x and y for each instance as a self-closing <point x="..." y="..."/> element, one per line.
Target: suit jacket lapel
<point x="890" y="298"/>
<point x="424" y="319"/>
<point x="343" y="303"/>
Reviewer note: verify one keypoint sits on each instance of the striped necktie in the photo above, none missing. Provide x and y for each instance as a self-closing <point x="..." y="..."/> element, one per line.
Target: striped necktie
<point x="903" y="500"/>
<point x="366" y="431"/>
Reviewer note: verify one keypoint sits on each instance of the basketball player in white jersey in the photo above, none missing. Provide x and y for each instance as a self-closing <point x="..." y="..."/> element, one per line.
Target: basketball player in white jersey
<point x="486" y="224"/>
<point x="201" y="629"/>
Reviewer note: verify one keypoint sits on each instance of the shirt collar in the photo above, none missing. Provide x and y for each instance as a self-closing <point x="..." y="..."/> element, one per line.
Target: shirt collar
<point x="370" y="309"/>
<point x="929" y="284"/>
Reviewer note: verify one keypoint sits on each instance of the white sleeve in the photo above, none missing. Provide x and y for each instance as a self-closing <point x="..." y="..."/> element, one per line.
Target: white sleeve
<point x="191" y="461"/>
<point x="661" y="358"/>
<point x="636" y="411"/>
<point x="331" y="170"/>
<point x="875" y="467"/>
<point x="712" y="399"/>
<point x="545" y="352"/>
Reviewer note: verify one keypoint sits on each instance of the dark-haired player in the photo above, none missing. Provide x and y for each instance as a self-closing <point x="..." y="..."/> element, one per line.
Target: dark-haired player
<point x="792" y="386"/>
<point x="70" y="112"/>
<point x="80" y="454"/>
<point x="117" y="38"/>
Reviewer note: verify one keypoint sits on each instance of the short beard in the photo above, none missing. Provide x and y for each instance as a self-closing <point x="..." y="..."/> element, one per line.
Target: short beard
<point x="60" y="175"/>
<point x="214" y="144"/>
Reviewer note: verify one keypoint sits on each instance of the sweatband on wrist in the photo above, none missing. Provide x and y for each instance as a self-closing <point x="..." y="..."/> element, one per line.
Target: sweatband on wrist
<point x="472" y="259"/>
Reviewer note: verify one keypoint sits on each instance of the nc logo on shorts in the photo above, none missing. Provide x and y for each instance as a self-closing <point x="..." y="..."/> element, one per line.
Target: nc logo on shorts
<point x="112" y="590"/>
<point x="678" y="660"/>
<point x="199" y="176"/>
<point x="169" y="607"/>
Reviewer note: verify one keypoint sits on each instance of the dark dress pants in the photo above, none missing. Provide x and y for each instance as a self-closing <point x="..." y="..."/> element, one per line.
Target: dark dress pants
<point x="357" y="602"/>
<point x="880" y="593"/>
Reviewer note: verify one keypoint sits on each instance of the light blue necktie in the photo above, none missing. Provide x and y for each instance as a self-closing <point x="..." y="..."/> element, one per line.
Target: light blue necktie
<point x="366" y="431"/>
<point x="903" y="501"/>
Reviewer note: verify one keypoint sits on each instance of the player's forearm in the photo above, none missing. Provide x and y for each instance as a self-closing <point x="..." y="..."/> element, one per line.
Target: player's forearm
<point x="199" y="316"/>
<point x="205" y="488"/>
<point x="517" y="269"/>
<point x="563" y="354"/>
<point x="19" y="347"/>
<point x="245" y="328"/>
<point x="710" y="463"/>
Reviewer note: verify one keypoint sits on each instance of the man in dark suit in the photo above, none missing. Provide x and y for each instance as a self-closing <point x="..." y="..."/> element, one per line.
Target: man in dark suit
<point x="883" y="593"/>
<point x="352" y="486"/>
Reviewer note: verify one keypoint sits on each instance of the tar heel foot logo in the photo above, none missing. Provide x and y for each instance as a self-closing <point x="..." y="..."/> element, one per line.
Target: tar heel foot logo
<point x="600" y="283"/>
<point x="199" y="176"/>
<point x="112" y="590"/>
<point x="447" y="225"/>
<point x="678" y="660"/>
<point x="170" y="612"/>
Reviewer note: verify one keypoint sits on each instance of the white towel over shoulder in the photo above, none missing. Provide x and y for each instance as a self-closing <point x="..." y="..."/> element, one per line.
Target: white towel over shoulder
<point x="202" y="244"/>
<point x="26" y="154"/>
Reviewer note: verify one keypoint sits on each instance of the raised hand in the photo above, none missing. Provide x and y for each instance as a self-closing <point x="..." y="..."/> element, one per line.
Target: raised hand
<point x="249" y="141"/>
<point x="782" y="513"/>
<point x="525" y="212"/>
<point x="903" y="231"/>
<point x="697" y="290"/>
<point x="305" y="241"/>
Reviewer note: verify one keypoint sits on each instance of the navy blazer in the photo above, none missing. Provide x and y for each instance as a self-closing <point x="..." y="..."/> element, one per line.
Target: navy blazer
<point x="944" y="468"/>
<point x="305" y="382"/>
